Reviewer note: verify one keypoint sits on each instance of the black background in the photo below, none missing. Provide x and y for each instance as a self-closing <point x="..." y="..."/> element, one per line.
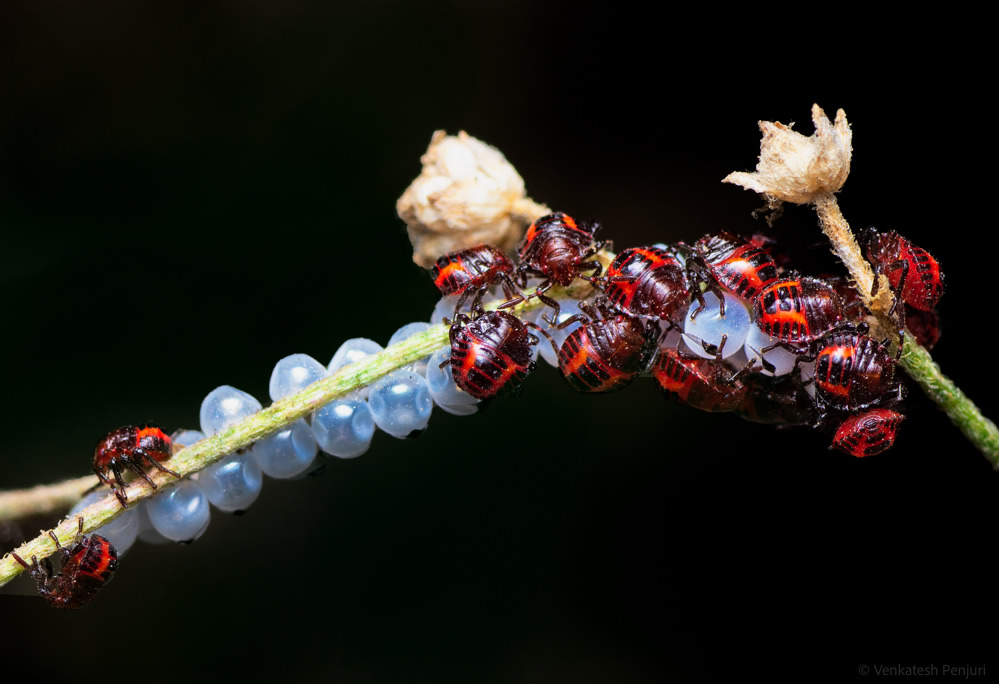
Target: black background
<point x="189" y="192"/>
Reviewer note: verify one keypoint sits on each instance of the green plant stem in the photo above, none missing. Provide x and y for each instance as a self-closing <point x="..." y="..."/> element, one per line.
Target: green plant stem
<point x="190" y="460"/>
<point x="963" y="412"/>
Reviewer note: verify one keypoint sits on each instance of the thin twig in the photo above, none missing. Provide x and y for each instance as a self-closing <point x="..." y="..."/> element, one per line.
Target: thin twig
<point x="845" y="246"/>
<point x="211" y="449"/>
<point x="21" y="503"/>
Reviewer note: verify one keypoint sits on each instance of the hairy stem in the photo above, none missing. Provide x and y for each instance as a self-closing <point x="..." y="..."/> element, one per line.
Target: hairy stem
<point x="51" y="498"/>
<point x="43" y="499"/>
<point x="963" y="412"/>
<point x="916" y="361"/>
<point x="845" y="246"/>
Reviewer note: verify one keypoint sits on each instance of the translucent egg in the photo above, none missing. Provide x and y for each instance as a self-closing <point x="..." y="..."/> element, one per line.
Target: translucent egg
<point x="782" y="359"/>
<point x="407" y="331"/>
<point x="807" y="371"/>
<point x="293" y="374"/>
<point x="446" y="394"/>
<point x="444" y="309"/>
<point x="458" y="409"/>
<point x="670" y="338"/>
<point x="287" y="453"/>
<point x="709" y="327"/>
<point x="738" y="360"/>
<point x="180" y="513"/>
<point x="187" y="437"/>
<point x="344" y="428"/>
<point x="225" y="406"/>
<point x="148" y="533"/>
<point x="404" y="333"/>
<point x="352" y="351"/>
<point x="233" y="483"/>
<point x="400" y="404"/>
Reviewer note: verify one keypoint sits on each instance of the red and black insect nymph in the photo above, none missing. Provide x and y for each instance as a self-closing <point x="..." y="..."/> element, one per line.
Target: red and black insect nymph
<point x="705" y="384"/>
<point x="556" y="248"/>
<point x="129" y="447"/>
<point x="648" y="282"/>
<point x="605" y="353"/>
<point x="490" y="353"/>
<point x="868" y="434"/>
<point x="473" y="271"/>
<point x="739" y="265"/>
<point x="87" y="566"/>
<point x="797" y="310"/>
<point x="853" y="372"/>
<point x="913" y="273"/>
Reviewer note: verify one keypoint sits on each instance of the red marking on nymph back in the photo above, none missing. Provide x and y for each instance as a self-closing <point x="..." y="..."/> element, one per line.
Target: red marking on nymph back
<point x="152" y="431"/>
<point x="448" y="270"/>
<point x="86" y="567"/>
<point x="704" y="384"/>
<point x="490" y="353"/>
<point x="648" y="282"/>
<point x="739" y="265"/>
<point x="603" y="355"/>
<point x="868" y="434"/>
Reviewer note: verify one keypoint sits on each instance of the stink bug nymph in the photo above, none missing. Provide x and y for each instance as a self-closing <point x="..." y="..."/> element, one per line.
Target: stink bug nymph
<point x="473" y="271"/>
<point x="853" y="372"/>
<point x="87" y="566"/>
<point x="868" y="434"/>
<point x="797" y="310"/>
<point x="605" y="353"/>
<point x="913" y="273"/>
<point x="490" y="353"/>
<point x="648" y="282"/>
<point x="705" y="384"/>
<point x="740" y="266"/>
<point x="128" y="447"/>
<point x="557" y="248"/>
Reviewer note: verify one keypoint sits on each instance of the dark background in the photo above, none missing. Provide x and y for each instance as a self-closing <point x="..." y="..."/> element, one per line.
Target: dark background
<point x="190" y="192"/>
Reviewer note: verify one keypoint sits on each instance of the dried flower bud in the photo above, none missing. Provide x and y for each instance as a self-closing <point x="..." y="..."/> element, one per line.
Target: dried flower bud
<point x="467" y="194"/>
<point x="795" y="168"/>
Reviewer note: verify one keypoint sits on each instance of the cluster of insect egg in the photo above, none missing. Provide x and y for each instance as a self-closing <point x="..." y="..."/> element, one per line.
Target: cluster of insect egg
<point x="399" y="404"/>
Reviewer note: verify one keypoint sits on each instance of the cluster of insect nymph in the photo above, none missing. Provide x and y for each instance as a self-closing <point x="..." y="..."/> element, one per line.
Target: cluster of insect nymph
<point x="722" y="325"/>
<point x="779" y="348"/>
<point x="92" y="561"/>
